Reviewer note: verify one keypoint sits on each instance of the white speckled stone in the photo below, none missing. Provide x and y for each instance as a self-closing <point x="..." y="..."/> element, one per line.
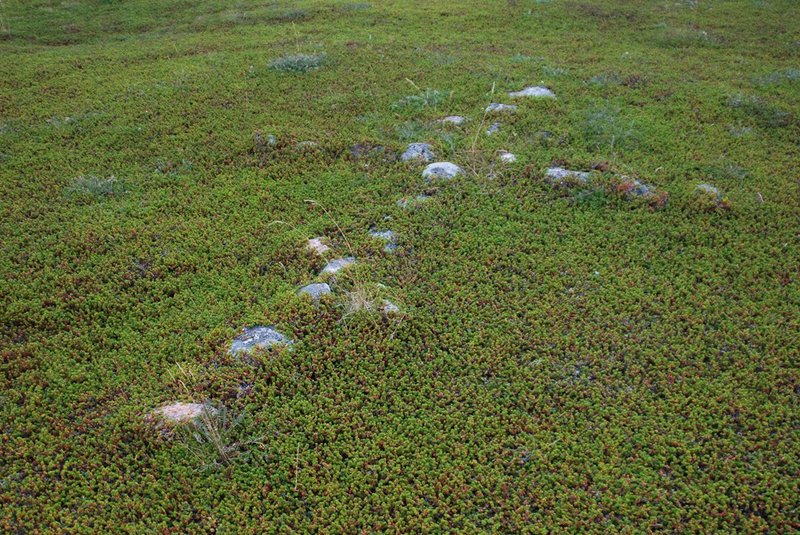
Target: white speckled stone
<point x="533" y="91"/>
<point x="495" y="107"/>
<point x="445" y="170"/>
<point x="258" y="337"/>
<point x="418" y="151"/>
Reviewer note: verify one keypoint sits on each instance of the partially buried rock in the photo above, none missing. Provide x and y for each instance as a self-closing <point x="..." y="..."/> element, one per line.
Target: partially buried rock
<point x="444" y="170"/>
<point x="386" y="236"/>
<point x="180" y="412"/>
<point x="334" y="266"/>
<point x="507" y="157"/>
<point x="418" y="151"/>
<point x="389" y="308"/>
<point x="562" y="177"/>
<point x="316" y="245"/>
<point x="493" y="129"/>
<point x="708" y="189"/>
<point x="453" y="119"/>
<point x="495" y="107"/>
<point x="533" y="91"/>
<point x="258" y="337"/>
<point x="315" y="290"/>
<point x="633" y="189"/>
<point x="710" y="197"/>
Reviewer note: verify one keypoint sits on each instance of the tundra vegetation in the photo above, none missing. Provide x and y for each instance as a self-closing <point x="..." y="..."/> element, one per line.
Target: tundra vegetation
<point x="228" y="304"/>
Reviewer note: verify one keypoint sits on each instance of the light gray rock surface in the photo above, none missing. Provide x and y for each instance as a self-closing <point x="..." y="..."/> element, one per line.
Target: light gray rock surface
<point x="533" y="91"/>
<point x="496" y="107"/>
<point x="316" y="290"/>
<point x="334" y="266"/>
<point x="561" y="176"/>
<point x="258" y="337"/>
<point x="418" y="151"/>
<point x="444" y="170"/>
<point x="456" y="120"/>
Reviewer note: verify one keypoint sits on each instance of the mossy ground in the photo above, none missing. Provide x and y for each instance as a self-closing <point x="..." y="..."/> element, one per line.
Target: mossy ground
<point x="565" y="359"/>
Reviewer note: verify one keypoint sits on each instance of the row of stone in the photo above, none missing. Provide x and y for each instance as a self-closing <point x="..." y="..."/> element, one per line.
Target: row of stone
<point x="264" y="337"/>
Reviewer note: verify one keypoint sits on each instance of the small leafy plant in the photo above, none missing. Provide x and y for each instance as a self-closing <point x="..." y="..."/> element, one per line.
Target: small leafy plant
<point x="299" y="63"/>
<point x="96" y="187"/>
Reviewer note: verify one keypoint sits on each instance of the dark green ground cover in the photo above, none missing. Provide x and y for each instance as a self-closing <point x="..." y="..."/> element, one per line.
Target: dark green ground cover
<point x="566" y="359"/>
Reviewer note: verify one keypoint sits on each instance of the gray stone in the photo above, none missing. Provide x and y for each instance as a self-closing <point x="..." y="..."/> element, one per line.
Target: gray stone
<point x="533" y="91"/>
<point x="495" y="107"/>
<point x="258" y="337"/>
<point x="561" y="176"/>
<point x="303" y="145"/>
<point x="493" y="129"/>
<point x="453" y="119"/>
<point x="316" y="290"/>
<point x="507" y="157"/>
<point x="337" y="265"/>
<point x="418" y="151"/>
<point x="445" y="170"/>
<point x="180" y="412"/>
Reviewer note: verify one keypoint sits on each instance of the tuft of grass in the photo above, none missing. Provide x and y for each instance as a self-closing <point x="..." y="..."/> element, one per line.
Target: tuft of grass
<point x="605" y="79"/>
<point x="96" y="187"/>
<point x="762" y="111"/>
<point x="293" y="15"/>
<point x="685" y="38"/>
<point x="604" y="128"/>
<point x="217" y="438"/>
<point x="778" y="77"/>
<point x="430" y="98"/>
<point x="299" y="63"/>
